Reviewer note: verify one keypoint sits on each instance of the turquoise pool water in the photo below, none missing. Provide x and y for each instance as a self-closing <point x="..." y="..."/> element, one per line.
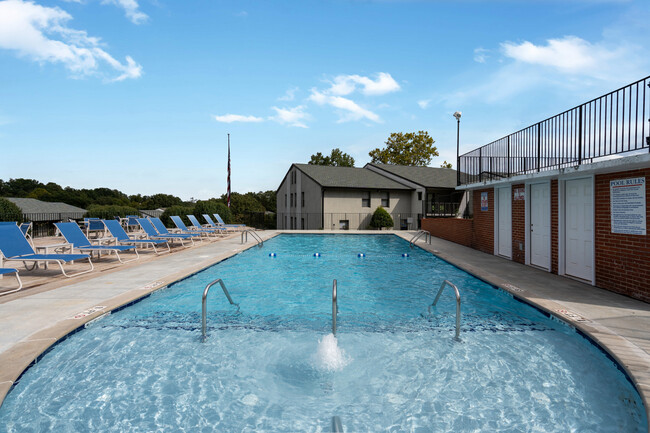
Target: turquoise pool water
<point x="272" y="365"/>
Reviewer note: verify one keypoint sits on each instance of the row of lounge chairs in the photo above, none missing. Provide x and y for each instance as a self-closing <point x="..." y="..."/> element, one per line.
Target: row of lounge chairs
<point x="14" y="244"/>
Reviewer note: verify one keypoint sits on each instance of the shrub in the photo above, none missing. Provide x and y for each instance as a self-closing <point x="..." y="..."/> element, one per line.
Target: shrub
<point x="179" y="210"/>
<point x="211" y="207"/>
<point x="381" y="218"/>
<point x="110" y="211"/>
<point x="9" y="211"/>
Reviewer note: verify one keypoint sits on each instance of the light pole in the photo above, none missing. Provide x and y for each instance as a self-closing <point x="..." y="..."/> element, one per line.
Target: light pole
<point x="457" y="116"/>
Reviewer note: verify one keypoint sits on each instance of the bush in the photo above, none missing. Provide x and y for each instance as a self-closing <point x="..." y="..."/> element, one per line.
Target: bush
<point x="179" y="210"/>
<point x="381" y="218"/>
<point x="211" y="207"/>
<point x="110" y="211"/>
<point x="9" y="211"/>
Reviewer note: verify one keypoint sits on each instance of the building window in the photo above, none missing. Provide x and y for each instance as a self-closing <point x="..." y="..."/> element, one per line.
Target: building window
<point x="344" y="224"/>
<point x="365" y="199"/>
<point x="302" y="199"/>
<point x="292" y="202"/>
<point x="385" y="199"/>
<point x="419" y="195"/>
<point x="286" y="221"/>
<point x="285" y="200"/>
<point x="302" y="223"/>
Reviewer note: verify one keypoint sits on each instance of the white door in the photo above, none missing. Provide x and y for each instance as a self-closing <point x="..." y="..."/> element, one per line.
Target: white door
<point x="579" y="205"/>
<point x="504" y="223"/>
<point x="540" y="225"/>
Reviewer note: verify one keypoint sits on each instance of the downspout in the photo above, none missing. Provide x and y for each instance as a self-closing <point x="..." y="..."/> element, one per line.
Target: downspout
<point x="322" y="209"/>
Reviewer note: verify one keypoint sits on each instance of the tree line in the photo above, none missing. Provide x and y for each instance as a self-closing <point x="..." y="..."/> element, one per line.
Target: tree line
<point x="411" y="148"/>
<point x="106" y="202"/>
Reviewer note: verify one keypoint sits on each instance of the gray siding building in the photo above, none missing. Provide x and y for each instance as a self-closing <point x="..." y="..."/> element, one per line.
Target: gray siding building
<point x="340" y="198"/>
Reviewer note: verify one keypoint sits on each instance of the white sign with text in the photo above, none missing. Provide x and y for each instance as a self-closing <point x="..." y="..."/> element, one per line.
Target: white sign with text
<point x="627" y="199"/>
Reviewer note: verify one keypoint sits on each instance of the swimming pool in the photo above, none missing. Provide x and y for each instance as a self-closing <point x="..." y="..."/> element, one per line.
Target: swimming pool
<point x="263" y="368"/>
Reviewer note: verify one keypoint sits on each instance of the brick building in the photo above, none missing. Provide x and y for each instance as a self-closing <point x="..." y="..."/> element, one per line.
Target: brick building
<point x="567" y="195"/>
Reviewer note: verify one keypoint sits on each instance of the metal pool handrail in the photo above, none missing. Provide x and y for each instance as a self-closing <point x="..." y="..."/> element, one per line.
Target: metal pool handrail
<point x="435" y="301"/>
<point x="335" y="308"/>
<point x="204" y="305"/>
<point x="337" y="427"/>
<point x="418" y="235"/>
<point x="260" y="242"/>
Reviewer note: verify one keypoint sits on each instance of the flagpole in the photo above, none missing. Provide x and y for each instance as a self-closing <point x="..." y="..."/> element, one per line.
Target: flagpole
<point x="228" y="194"/>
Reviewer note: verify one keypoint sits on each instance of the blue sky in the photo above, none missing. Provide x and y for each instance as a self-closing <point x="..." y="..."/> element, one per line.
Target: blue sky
<point x="139" y="95"/>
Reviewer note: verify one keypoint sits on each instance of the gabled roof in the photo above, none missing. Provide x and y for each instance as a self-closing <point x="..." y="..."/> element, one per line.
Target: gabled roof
<point x="428" y="177"/>
<point x="348" y="177"/>
<point x="46" y="211"/>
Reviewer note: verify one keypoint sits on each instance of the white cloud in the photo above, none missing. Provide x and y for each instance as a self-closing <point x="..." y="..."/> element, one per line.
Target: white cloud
<point x="131" y="9"/>
<point x="40" y="33"/>
<point x="230" y="118"/>
<point x="570" y="54"/>
<point x="291" y="116"/>
<point x="346" y="84"/>
<point x="289" y="95"/>
<point x="351" y="110"/>
<point x="481" y="55"/>
<point x="424" y="103"/>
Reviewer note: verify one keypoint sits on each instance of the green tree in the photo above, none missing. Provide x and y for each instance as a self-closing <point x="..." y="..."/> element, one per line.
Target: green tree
<point x="381" y="218"/>
<point x="181" y="211"/>
<point x="9" y="211"/>
<point x="445" y="164"/>
<point x="406" y="149"/>
<point x="109" y="211"/>
<point x="336" y="158"/>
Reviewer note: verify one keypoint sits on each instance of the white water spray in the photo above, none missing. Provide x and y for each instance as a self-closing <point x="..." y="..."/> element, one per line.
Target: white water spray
<point x="330" y="356"/>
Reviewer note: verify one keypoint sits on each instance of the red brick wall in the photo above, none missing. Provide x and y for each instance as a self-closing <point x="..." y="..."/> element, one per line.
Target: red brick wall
<point x="622" y="261"/>
<point x="554" y="227"/>
<point x="483" y="236"/>
<point x="518" y="226"/>
<point x="452" y="229"/>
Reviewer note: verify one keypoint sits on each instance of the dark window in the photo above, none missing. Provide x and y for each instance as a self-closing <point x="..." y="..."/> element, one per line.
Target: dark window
<point x="344" y="224"/>
<point x="285" y="200"/>
<point x="365" y="199"/>
<point x="419" y="195"/>
<point x="385" y="199"/>
<point x="302" y="223"/>
<point x="302" y="199"/>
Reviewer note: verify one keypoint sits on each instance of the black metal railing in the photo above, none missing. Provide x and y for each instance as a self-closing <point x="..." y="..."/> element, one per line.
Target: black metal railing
<point x="343" y="221"/>
<point x="608" y="125"/>
<point x="442" y="209"/>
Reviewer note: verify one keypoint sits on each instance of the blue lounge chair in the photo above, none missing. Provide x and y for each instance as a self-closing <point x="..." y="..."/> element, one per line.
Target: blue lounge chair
<point x="122" y="237"/>
<point x="196" y="226"/>
<point x="4" y="271"/>
<point x="158" y="224"/>
<point x="152" y="233"/>
<point x="220" y="223"/>
<point x="212" y="225"/>
<point x="15" y="247"/>
<point x="73" y="235"/>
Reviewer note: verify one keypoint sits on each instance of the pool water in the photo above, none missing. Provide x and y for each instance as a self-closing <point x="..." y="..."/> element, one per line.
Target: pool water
<point x="272" y="365"/>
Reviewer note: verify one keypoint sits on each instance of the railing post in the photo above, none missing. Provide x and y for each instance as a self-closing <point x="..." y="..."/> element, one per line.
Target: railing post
<point x="580" y="135"/>
<point x="508" y="155"/>
<point x="539" y="145"/>
<point x="480" y="164"/>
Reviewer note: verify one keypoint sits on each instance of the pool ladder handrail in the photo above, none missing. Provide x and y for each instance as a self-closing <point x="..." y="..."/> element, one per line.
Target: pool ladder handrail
<point x="335" y="307"/>
<point x="435" y="301"/>
<point x="418" y="235"/>
<point x="260" y="242"/>
<point x="204" y="305"/>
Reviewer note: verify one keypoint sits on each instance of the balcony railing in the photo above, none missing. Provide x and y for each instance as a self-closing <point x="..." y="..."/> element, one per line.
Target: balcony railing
<point x="612" y="124"/>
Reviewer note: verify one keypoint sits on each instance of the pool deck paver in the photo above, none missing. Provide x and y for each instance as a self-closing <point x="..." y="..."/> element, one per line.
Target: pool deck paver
<point x="32" y="322"/>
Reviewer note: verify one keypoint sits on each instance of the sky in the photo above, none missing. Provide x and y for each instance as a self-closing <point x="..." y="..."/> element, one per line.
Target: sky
<point x="139" y="95"/>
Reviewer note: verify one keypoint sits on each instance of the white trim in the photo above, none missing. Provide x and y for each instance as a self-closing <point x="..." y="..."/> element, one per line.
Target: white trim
<point x="549" y="265"/>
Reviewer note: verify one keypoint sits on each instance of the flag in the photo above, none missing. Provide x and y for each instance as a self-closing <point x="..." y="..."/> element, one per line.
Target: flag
<point x="228" y="194"/>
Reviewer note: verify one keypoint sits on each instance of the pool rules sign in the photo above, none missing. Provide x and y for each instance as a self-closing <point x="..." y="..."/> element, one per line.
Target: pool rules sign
<point x="627" y="198"/>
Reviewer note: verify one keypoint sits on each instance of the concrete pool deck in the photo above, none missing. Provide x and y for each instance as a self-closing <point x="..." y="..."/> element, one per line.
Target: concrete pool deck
<point x="33" y="320"/>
